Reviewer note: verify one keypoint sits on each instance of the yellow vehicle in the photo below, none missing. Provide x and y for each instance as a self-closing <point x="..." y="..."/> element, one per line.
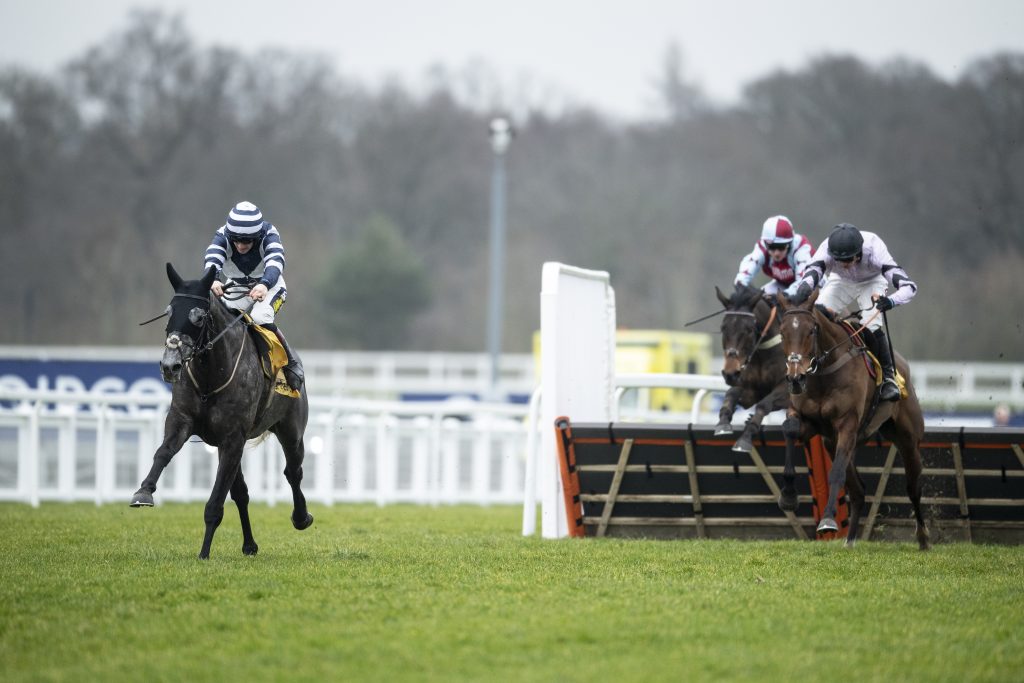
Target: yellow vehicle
<point x="645" y="351"/>
<point x="652" y="351"/>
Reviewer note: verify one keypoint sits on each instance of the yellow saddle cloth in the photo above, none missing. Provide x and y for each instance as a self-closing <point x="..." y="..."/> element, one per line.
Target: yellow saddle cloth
<point x="900" y="381"/>
<point x="275" y="359"/>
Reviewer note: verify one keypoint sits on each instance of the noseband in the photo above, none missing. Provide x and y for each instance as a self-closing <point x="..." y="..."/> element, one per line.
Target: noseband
<point x="795" y="358"/>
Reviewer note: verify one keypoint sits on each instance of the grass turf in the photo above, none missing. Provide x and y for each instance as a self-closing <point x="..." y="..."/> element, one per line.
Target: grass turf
<point x="455" y="593"/>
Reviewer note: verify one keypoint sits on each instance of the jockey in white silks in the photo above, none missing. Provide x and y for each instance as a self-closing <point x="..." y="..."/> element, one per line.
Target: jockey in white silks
<point x="247" y="250"/>
<point x="781" y="254"/>
<point x="859" y="271"/>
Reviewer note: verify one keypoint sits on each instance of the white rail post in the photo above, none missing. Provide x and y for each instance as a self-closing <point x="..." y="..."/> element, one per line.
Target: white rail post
<point x="577" y="320"/>
<point x="530" y="476"/>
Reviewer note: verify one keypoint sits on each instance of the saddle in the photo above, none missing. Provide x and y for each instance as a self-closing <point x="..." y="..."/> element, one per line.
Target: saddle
<point x="273" y="357"/>
<point x="871" y="362"/>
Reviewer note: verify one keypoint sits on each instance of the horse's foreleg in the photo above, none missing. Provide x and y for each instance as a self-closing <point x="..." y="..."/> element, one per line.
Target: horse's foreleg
<point x="228" y="468"/>
<point x="724" y="425"/>
<point x="240" y="494"/>
<point x="846" y="443"/>
<point x="776" y="400"/>
<point x="176" y="433"/>
<point x="791" y="428"/>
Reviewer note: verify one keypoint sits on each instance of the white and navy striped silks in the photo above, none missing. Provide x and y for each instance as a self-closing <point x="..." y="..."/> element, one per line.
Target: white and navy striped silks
<point x="263" y="263"/>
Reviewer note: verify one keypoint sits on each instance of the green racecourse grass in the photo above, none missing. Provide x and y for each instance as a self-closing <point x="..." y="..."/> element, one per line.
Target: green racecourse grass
<point x="455" y="593"/>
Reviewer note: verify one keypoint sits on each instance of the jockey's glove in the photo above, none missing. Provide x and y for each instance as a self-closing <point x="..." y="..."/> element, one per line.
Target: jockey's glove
<point x="884" y="303"/>
<point x="802" y="292"/>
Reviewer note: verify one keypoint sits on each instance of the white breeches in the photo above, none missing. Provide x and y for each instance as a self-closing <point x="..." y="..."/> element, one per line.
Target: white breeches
<point x="262" y="312"/>
<point x="846" y="297"/>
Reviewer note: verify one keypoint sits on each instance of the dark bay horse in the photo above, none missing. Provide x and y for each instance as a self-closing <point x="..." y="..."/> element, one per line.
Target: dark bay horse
<point x="833" y="394"/>
<point x="754" y="367"/>
<point x="221" y="394"/>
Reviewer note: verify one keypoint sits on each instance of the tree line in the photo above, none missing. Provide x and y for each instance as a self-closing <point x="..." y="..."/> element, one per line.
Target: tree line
<point x="132" y="153"/>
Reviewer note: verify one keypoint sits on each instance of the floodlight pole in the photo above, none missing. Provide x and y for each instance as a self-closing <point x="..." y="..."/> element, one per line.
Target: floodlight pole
<point x="501" y="135"/>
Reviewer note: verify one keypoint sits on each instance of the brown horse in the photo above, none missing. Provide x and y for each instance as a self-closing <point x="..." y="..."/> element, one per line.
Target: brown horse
<point x="833" y="394"/>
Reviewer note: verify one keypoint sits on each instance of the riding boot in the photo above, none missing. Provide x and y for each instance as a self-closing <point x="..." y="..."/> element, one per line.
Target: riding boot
<point x="293" y="372"/>
<point x="890" y="390"/>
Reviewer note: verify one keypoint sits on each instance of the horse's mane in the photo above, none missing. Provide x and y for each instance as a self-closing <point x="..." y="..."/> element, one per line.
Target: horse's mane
<point x="825" y="312"/>
<point x="744" y="297"/>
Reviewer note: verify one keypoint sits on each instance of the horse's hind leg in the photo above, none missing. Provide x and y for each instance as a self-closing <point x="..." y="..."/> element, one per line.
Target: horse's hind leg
<point x="240" y="494"/>
<point x="176" y="433"/>
<point x="855" y="488"/>
<point x="911" y="455"/>
<point x="294" y="453"/>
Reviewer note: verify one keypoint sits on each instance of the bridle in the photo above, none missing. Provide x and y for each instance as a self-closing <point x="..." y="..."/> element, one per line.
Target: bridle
<point x="795" y="358"/>
<point x="760" y="343"/>
<point x="817" y="359"/>
<point x="202" y="345"/>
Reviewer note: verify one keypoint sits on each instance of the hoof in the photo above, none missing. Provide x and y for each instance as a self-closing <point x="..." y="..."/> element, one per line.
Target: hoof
<point x="250" y="550"/>
<point x="142" y="499"/>
<point x="304" y="524"/>
<point x="723" y="428"/>
<point x="743" y="444"/>
<point x="788" y="502"/>
<point x="827" y="524"/>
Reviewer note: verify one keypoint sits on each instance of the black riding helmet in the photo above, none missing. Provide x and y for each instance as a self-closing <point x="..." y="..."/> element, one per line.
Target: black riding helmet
<point x="845" y="242"/>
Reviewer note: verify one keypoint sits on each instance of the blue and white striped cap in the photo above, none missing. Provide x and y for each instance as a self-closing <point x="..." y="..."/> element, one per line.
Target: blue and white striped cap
<point x="245" y="220"/>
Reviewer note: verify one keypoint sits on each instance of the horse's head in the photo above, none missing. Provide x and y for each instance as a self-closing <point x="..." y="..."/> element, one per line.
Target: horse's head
<point x="799" y="340"/>
<point x="188" y="316"/>
<point x="740" y="330"/>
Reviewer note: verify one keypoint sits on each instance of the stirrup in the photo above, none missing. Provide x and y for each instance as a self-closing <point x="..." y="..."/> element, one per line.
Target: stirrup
<point x="888" y="394"/>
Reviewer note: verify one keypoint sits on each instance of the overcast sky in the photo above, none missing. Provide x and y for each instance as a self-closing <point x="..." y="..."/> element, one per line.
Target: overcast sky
<point x="601" y="54"/>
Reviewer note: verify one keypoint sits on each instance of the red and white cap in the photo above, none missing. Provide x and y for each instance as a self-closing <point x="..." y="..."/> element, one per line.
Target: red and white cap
<point x="777" y="230"/>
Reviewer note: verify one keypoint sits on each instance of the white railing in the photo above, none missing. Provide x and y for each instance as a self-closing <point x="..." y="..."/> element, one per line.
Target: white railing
<point x="97" y="447"/>
<point x="940" y="385"/>
<point x="949" y="386"/>
<point x="66" y="447"/>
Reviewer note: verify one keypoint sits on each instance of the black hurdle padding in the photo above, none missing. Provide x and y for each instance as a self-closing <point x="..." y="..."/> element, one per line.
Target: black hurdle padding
<point x="736" y="502"/>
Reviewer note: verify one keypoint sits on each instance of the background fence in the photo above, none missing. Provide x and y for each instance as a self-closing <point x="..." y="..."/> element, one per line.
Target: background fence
<point x="93" y="440"/>
<point x="55" y="446"/>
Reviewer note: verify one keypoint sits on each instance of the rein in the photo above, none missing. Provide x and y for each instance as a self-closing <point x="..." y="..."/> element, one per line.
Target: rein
<point x="709" y="315"/>
<point x="188" y="366"/>
<point x="201" y="348"/>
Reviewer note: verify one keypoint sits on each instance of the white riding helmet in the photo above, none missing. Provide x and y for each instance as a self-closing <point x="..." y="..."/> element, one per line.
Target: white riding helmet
<point x="777" y="230"/>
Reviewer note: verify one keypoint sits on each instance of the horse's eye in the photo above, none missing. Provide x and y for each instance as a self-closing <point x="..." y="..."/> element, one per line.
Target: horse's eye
<point x="197" y="316"/>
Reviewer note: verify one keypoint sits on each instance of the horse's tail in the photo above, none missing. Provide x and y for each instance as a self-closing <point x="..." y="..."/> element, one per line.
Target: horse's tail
<point x="256" y="441"/>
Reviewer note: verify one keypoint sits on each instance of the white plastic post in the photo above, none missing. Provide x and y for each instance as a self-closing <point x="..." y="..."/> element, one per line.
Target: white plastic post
<point x="577" y="322"/>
